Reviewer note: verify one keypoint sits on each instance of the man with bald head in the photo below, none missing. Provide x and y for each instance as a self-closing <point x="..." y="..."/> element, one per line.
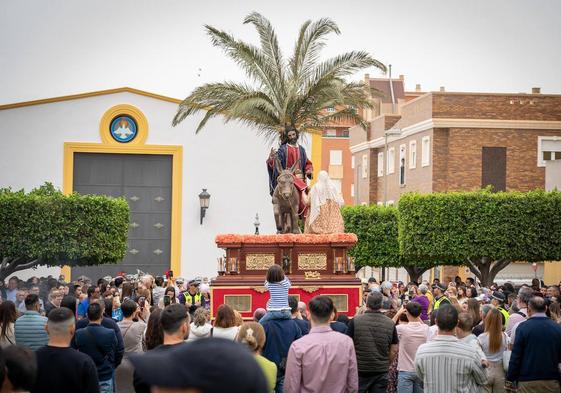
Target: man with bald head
<point x="302" y="308"/>
<point x="61" y="368"/>
<point x="536" y="352"/>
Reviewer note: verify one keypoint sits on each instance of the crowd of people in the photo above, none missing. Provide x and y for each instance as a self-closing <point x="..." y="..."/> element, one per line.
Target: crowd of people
<point x="155" y="334"/>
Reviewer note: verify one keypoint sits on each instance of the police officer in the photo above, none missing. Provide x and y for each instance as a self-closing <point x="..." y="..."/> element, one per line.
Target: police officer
<point x="192" y="297"/>
<point x="438" y="290"/>
<point x="498" y="300"/>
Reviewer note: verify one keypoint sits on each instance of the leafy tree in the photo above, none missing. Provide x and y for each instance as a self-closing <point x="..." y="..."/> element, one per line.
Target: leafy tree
<point x="45" y="227"/>
<point x="483" y="230"/>
<point x="378" y="243"/>
<point x="295" y="91"/>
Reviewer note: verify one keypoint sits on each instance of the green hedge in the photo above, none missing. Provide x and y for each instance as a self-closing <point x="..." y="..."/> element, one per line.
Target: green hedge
<point x="460" y="225"/>
<point x="376" y="228"/>
<point x="57" y="229"/>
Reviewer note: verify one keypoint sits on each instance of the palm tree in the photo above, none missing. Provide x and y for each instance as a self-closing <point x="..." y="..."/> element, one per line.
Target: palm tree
<point x="281" y="92"/>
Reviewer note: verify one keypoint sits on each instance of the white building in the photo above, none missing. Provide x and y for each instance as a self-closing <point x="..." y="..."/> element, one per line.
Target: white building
<point x="121" y="142"/>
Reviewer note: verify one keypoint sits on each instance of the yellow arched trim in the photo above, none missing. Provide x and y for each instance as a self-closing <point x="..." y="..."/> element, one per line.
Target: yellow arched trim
<point x="70" y="148"/>
<point x="123" y="109"/>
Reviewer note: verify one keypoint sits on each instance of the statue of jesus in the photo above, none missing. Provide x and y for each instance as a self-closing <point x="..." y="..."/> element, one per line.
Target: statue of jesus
<point x="288" y="154"/>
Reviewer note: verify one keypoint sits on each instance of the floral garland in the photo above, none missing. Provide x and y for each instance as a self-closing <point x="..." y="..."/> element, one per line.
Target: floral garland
<point x="287" y="238"/>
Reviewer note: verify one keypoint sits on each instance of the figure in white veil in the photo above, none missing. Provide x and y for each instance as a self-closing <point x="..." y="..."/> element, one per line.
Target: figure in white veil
<point x="325" y="207"/>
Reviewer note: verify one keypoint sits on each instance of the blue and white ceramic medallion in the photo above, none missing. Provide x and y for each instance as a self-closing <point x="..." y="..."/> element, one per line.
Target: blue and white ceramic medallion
<point x="123" y="129"/>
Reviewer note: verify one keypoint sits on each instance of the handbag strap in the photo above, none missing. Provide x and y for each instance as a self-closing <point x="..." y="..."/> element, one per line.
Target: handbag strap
<point x="126" y="331"/>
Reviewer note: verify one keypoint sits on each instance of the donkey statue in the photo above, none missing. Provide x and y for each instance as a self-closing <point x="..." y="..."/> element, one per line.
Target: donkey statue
<point x="286" y="200"/>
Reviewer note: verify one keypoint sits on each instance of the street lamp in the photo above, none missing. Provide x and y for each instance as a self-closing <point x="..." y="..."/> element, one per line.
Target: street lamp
<point x="385" y="162"/>
<point x="385" y="172"/>
<point x="256" y="223"/>
<point x="204" y="199"/>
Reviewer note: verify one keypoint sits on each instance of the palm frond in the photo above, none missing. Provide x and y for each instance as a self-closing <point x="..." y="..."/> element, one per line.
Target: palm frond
<point x="343" y="65"/>
<point x="249" y="58"/>
<point x="231" y="101"/>
<point x="346" y="114"/>
<point x="295" y="92"/>
<point x="311" y="40"/>
<point x="269" y="44"/>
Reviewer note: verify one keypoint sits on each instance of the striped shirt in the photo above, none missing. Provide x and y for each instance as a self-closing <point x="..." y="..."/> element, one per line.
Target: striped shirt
<point x="448" y="365"/>
<point x="30" y="330"/>
<point x="279" y="295"/>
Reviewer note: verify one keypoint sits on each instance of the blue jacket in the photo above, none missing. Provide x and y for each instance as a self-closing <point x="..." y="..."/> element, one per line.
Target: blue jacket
<point x="303" y="325"/>
<point x="30" y="330"/>
<point x="536" y="352"/>
<point x="109" y="324"/>
<point x="83" y="307"/>
<point x="280" y="333"/>
<point x="100" y="344"/>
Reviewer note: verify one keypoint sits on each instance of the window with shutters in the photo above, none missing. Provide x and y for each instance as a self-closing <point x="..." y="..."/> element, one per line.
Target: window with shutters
<point x="402" y="153"/>
<point x="425" y="151"/>
<point x="335" y="157"/>
<point x="412" y="154"/>
<point x="549" y="149"/>
<point x="391" y="160"/>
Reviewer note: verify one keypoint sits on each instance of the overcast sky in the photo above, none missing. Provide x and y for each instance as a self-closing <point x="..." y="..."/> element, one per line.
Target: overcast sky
<point x="58" y="47"/>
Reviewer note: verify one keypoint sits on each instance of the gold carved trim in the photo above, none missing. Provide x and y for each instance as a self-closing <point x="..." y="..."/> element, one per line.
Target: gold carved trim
<point x="312" y="275"/>
<point x="260" y="289"/>
<point x="312" y="261"/>
<point x="310" y="289"/>
<point x="259" y="261"/>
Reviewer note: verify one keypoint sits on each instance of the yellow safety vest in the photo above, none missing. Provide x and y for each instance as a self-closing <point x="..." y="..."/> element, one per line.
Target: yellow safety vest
<point x="439" y="301"/>
<point x="197" y="297"/>
<point x="505" y="313"/>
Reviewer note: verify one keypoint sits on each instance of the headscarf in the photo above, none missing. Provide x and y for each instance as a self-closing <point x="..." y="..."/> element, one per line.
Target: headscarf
<point x="321" y="192"/>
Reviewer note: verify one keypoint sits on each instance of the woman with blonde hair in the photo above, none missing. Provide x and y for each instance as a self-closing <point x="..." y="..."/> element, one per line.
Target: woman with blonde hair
<point x="253" y="335"/>
<point x="200" y="327"/>
<point x="239" y="318"/>
<point x="451" y="293"/>
<point x="555" y="312"/>
<point x="494" y="342"/>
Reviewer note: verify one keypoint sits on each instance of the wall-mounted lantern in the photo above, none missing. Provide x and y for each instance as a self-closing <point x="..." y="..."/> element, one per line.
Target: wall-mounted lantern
<point x="204" y="199"/>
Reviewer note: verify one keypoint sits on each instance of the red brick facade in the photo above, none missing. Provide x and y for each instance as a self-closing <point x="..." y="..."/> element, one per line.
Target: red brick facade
<point x="459" y="126"/>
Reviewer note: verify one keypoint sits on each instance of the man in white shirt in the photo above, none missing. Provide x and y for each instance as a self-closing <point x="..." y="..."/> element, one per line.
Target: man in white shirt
<point x="446" y="364"/>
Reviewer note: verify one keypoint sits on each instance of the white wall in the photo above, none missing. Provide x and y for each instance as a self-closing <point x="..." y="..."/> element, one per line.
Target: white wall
<point x="228" y="160"/>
